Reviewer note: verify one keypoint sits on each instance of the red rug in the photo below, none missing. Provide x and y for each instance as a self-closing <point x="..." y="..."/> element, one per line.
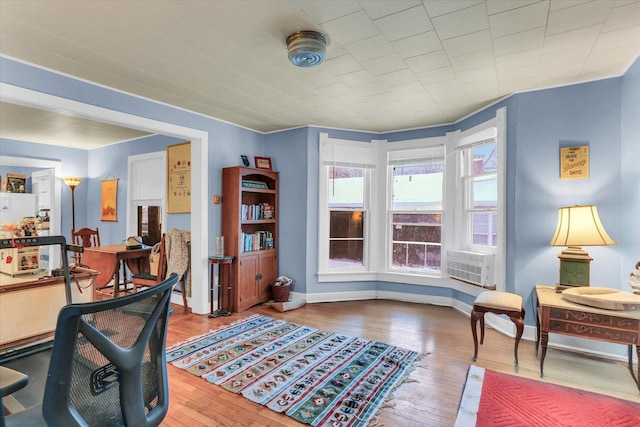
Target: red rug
<point x="492" y="399"/>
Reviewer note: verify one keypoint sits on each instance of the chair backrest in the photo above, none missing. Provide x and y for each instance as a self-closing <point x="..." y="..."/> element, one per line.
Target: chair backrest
<point x="162" y="260"/>
<point x="86" y="237"/>
<point x="108" y="362"/>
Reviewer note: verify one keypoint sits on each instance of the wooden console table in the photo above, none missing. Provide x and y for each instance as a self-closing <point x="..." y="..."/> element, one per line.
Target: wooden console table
<point x="557" y="315"/>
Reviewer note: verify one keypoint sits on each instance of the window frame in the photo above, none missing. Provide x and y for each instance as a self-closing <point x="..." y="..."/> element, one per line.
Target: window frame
<point x="459" y="236"/>
<point x="468" y="179"/>
<point x="411" y="152"/>
<point x="377" y="232"/>
<point x="339" y="152"/>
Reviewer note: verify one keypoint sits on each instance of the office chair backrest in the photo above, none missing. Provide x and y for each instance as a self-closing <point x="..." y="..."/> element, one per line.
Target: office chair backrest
<point x="108" y="363"/>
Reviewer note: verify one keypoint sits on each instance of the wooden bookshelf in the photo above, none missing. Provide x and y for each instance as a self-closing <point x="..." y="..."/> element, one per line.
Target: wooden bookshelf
<point x="250" y="229"/>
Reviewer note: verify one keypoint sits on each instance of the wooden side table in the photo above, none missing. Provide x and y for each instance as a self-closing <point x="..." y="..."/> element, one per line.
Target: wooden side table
<point x="557" y="315"/>
<point x="224" y="288"/>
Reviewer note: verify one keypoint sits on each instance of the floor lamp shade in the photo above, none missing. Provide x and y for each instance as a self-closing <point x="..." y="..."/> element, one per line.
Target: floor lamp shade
<point x="577" y="226"/>
<point x="72" y="182"/>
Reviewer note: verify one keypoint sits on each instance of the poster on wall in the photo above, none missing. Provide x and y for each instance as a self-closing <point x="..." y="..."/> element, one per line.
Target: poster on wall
<point x="109" y="200"/>
<point x="179" y="178"/>
<point x="574" y="162"/>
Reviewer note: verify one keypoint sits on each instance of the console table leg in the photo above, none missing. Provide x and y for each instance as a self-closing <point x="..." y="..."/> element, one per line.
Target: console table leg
<point x="633" y="375"/>
<point x="544" y="340"/>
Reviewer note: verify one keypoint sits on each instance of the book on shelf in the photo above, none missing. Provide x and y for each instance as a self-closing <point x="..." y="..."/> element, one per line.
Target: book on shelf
<point x="258" y="241"/>
<point x="247" y="183"/>
<point x="256" y="212"/>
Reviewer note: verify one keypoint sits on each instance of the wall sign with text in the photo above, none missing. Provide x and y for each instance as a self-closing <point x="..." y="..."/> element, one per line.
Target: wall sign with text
<point x="179" y="178"/>
<point x="574" y="162"/>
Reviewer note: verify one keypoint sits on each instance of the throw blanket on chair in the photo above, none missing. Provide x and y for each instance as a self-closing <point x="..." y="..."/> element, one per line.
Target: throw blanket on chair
<point x="178" y="257"/>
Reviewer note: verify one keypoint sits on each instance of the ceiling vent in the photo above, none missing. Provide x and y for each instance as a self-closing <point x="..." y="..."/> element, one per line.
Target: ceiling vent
<point x="307" y="48"/>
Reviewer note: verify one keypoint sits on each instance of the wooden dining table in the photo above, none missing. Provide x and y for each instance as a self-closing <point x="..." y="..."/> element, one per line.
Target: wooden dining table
<point x="108" y="259"/>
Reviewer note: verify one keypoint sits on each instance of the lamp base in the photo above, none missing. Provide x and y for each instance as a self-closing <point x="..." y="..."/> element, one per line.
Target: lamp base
<point x="574" y="268"/>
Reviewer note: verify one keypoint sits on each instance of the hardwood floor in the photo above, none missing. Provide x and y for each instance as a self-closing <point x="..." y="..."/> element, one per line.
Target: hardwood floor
<point x="431" y="395"/>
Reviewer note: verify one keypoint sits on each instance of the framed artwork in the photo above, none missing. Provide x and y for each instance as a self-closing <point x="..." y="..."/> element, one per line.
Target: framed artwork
<point x="245" y="160"/>
<point x="263" y="162"/>
<point x="179" y="178"/>
<point x="574" y="162"/>
<point x="16" y="183"/>
<point x="109" y="200"/>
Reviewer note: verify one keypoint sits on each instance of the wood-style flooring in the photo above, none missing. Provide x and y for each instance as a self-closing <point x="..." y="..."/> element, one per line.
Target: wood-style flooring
<point x="431" y="395"/>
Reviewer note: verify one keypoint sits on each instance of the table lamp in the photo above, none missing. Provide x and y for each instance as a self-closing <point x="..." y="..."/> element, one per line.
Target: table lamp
<point x="577" y="226"/>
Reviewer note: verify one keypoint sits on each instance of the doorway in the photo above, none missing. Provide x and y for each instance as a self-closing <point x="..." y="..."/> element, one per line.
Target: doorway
<point x="149" y="224"/>
<point x="199" y="155"/>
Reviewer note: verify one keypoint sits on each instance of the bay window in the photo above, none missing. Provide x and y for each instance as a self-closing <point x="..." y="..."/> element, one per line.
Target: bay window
<point x="391" y="211"/>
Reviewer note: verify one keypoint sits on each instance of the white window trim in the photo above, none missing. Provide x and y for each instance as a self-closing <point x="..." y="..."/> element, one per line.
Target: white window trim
<point x="351" y="150"/>
<point x="378" y="232"/>
<point x="419" y="148"/>
<point x="455" y="237"/>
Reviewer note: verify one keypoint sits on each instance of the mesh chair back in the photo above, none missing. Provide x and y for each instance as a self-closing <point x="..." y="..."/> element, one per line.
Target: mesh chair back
<point x="108" y="363"/>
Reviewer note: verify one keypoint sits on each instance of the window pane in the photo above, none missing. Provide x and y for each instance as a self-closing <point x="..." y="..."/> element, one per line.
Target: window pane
<point x="485" y="192"/>
<point x="416" y="241"/>
<point x="418" y="185"/>
<point x="484" y="228"/>
<point x="346" y="243"/>
<point x="346" y="187"/>
<point x="485" y="158"/>
<point x="346" y="224"/>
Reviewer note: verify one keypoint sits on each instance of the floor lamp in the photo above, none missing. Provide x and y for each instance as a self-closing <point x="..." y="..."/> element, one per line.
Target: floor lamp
<point x="72" y="182"/>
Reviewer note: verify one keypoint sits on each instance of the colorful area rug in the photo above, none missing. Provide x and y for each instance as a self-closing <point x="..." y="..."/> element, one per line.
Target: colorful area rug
<point x="316" y="377"/>
<point x="500" y="400"/>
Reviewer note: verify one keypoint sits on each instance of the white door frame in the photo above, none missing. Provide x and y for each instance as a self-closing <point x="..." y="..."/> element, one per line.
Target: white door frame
<point x="199" y="169"/>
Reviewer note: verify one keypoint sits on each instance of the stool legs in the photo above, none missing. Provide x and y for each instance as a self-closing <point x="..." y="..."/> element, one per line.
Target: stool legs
<point x="519" y="322"/>
<point x="478" y="314"/>
<point x="475" y="315"/>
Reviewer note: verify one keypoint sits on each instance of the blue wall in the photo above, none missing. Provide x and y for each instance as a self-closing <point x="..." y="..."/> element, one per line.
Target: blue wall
<point x="629" y="236"/>
<point x="603" y="114"/>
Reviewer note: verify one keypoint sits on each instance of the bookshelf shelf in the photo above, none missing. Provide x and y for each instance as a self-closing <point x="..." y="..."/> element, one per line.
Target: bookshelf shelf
<point x="250" y="228"/>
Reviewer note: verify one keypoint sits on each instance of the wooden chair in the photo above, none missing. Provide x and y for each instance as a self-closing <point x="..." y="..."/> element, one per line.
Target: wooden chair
<point x="149" y="279"/>
<point x="85" y="237"/>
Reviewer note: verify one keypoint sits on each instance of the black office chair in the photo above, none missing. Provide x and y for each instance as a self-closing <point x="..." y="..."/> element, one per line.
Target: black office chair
<point x="108" y="363"/>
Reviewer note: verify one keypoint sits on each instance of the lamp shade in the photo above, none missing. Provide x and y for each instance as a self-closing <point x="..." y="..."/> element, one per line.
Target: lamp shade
<point x="580" y="226"/>
<point x="72" y="181"/>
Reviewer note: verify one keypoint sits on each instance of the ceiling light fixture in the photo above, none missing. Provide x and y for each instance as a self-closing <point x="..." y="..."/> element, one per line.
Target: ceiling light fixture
<point x="307" y="48"/>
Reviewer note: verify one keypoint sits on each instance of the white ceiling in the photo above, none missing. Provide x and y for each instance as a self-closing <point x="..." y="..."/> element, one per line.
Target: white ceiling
<point x="390" y="64"/>
<point x="47" y="127"/>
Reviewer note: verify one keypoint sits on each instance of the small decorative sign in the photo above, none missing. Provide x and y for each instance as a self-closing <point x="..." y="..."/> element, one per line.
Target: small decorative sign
<point x="574" y="162"/>
<point x="179" y="178"/>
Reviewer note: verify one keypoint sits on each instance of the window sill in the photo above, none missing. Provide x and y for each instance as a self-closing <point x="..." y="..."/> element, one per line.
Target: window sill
<point x="402" y="278"/>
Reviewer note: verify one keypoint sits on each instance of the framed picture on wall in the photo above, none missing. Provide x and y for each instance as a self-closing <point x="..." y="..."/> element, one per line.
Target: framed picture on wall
<point x="574" y="162"/>
<point x="179" y="178"/>
<point x="109" y="200"/>
<point x="16" y="183"/>
<point x="263" y="163"/>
